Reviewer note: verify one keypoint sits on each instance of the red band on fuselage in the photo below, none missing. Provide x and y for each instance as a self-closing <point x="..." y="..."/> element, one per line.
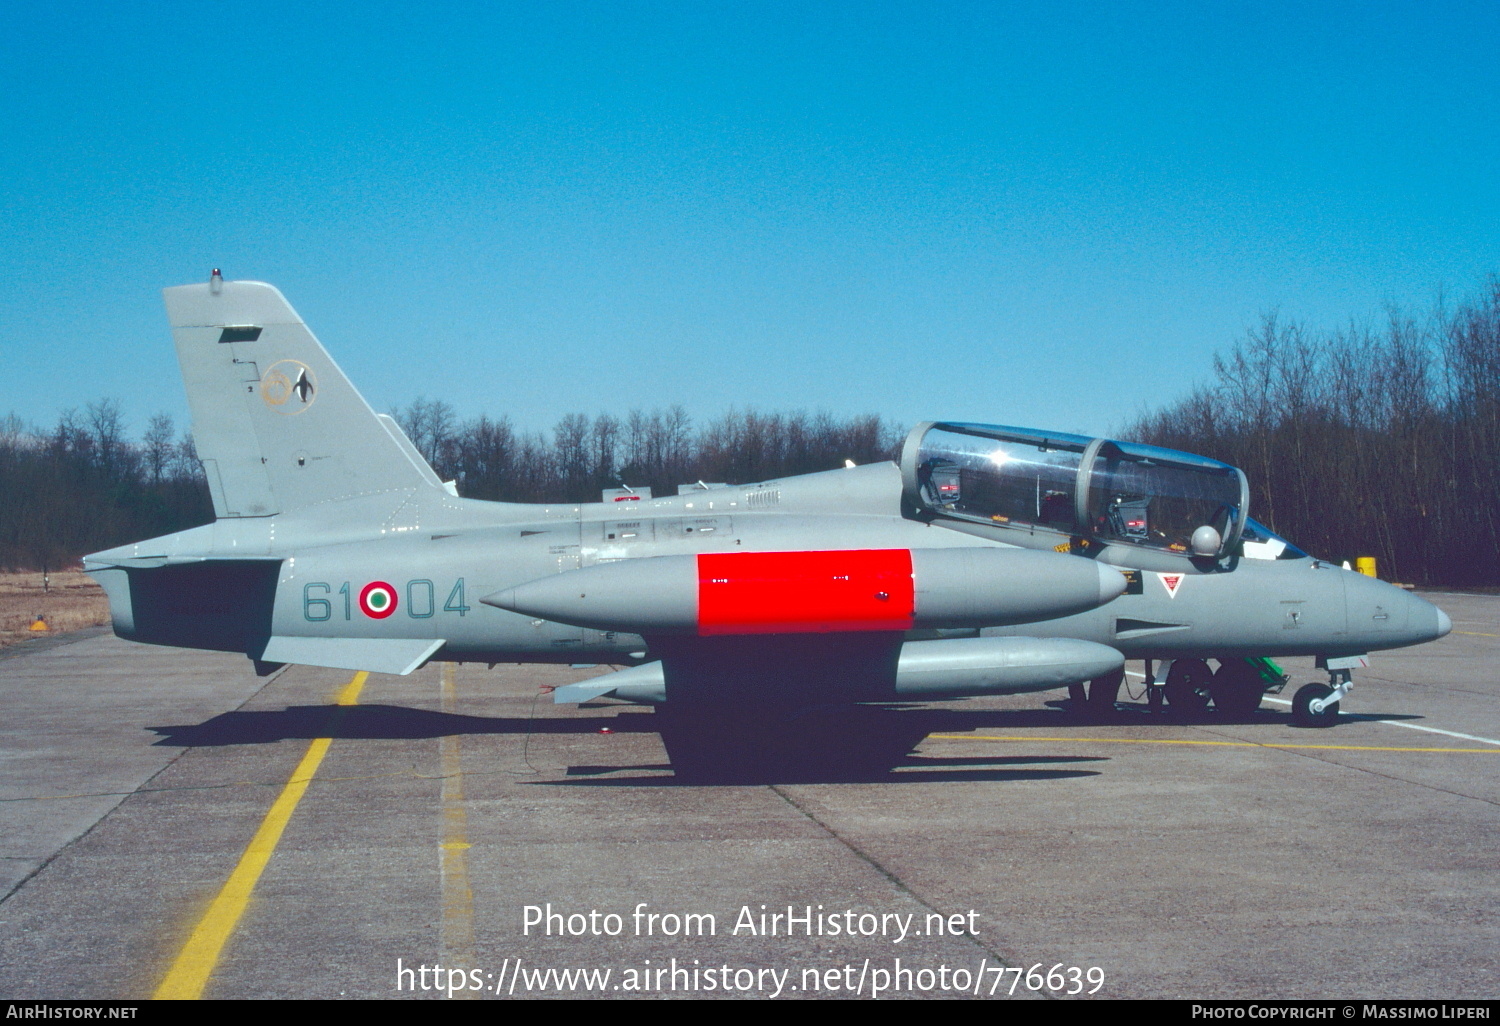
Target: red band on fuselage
<point x="805" y="592"/>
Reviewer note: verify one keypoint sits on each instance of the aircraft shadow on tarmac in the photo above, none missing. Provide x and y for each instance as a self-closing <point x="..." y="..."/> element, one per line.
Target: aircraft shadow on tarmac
<point x="914" y="769"/>
<point x="916" y="761"/>
<point x="1135" y="714"/>
<point x="897" y="776"/>
<point x="375" y="723"/>
<point x="393" y="722"/>
<point x="388" y="722"/>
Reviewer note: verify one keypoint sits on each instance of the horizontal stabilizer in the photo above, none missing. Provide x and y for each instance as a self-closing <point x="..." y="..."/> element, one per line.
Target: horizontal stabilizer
<point x="103" y="560"/>
<point x="378" y="655"/>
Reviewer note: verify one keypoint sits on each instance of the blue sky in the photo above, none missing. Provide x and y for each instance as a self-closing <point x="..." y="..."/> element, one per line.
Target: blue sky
<point x="1040" y="214"/>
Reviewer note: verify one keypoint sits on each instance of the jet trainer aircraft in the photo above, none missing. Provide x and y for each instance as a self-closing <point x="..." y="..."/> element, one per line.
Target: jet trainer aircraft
<point x="765" y="621"/>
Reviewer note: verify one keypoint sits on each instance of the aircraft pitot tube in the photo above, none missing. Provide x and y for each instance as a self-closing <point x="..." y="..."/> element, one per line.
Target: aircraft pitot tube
<point x="736" y="593"/>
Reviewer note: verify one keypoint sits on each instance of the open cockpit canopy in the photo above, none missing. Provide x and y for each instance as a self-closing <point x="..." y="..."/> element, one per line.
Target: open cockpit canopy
<point x="1090" y="488"/>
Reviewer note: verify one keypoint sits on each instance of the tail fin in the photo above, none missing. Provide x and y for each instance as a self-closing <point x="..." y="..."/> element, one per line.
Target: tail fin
<point x="277" y="425"/>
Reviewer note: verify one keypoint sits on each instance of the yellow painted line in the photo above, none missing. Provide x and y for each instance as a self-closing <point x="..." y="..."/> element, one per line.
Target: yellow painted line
<point x="1477" y="634"/>
<point x="200" y="955"/>
<point x="458" y="897"/>
<point x="1224" y="744"/>
<point x="350" y="694"/>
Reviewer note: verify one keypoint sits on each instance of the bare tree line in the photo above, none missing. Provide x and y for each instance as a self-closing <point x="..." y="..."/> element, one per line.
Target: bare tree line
<point x="1366" y="440"/>
<point x="490" y="459"/>
<point x="84" y="485"/>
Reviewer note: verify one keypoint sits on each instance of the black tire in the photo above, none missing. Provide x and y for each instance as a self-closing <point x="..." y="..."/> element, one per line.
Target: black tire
<point x="1302" y="714"/>
<point x="1077" y="698"/>
<point x="1187" y="686"/>
<point x="1104" y="692"/>
<point x="1236" y="688"/>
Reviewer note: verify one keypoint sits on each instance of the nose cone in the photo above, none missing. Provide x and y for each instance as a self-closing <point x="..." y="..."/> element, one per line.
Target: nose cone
<point x="1112" y="583"/>
<point x="1424" y="621"/>
<point x="1384" y="616"/>
<point x="1438" y="626"/>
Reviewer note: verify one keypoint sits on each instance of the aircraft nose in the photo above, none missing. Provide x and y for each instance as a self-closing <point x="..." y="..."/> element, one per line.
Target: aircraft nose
<point x="1444" y="625"/>
<point x="1382" y="615"/>
<point x="1424" y="621"/>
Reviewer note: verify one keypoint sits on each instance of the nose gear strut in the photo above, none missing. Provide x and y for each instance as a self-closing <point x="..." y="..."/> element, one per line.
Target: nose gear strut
<point x="1317" y="705"/>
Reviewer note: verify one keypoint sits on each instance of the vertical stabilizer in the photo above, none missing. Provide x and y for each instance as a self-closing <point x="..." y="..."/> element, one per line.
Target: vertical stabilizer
<point x="277" y="425"/>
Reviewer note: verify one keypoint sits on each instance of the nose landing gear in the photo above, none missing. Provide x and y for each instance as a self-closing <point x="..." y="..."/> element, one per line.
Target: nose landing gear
<point x="1317" y="705"/>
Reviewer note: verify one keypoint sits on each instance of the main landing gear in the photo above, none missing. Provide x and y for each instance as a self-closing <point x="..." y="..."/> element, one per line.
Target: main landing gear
<point x="1099" y="699"/>
<point x="1186" y="690"/>
<point x="1237" y="688"/>
<point x="1234" y="690"/>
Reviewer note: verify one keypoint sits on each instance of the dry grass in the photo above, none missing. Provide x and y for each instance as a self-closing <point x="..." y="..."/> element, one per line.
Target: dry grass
<point x="71" y="600"/>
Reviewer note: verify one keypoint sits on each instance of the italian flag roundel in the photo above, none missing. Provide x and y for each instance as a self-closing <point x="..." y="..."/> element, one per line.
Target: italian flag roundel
<point x="377" y="600"/>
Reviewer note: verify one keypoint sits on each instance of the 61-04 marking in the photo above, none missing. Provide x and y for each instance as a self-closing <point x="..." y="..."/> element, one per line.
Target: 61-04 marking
<point x="378" y="600"/>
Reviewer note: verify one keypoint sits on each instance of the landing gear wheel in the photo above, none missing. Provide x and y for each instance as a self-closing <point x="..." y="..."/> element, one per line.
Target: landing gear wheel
<point x="1236" y="688"/>
<point x="1302" y="714"/>
<point x="1103" y="691"/>
<point x="1077" y="698"/>
<point x="1187" y="687"/>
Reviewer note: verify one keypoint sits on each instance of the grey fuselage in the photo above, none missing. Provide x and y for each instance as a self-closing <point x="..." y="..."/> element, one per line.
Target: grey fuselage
<point x="299" y="576"/>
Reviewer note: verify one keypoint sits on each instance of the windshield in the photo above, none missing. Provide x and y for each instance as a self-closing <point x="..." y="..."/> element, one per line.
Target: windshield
<point x="1112" y="492"/>
<point x="1148" y="496"/>
<point x="1007" y="480"/>
<point x="1260" y="542"/>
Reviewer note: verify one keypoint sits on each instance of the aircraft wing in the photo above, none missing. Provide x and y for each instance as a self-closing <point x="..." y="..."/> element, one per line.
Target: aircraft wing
<point x="378" y="655"/>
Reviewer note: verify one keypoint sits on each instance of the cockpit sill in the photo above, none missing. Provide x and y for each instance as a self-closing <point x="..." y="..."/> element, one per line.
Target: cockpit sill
<point x="1122" y="503"/>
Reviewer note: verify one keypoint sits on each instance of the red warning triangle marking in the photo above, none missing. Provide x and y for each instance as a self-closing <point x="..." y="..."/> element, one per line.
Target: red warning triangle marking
<point x="1171" y="582"/>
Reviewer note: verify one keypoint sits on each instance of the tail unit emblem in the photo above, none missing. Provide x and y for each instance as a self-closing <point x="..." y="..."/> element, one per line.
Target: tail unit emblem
<point x="288" y="387"/>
